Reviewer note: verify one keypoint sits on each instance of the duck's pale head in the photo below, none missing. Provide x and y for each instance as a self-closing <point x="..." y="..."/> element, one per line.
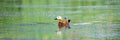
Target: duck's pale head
<point x="58" y="17"/>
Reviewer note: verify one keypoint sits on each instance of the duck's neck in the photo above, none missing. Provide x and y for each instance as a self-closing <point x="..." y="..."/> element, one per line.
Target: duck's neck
<point x="60" y="20"/>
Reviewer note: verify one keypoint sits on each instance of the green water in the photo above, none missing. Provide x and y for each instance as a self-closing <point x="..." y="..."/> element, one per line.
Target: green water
<point x="34" y="19"/>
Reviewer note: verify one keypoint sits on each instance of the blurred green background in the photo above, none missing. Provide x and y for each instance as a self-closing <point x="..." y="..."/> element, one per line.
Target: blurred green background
<point x="34" y="19"/>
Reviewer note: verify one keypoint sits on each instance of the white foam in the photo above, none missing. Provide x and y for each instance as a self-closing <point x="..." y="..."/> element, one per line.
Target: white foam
<point x="86" y="23"/>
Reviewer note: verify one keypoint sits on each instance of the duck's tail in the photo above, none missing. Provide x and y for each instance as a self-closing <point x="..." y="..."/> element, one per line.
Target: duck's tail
<point x="68" y="22"/>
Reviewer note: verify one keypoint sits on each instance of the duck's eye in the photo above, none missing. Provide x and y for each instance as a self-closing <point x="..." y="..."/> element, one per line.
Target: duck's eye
<point x="57" y="17"/>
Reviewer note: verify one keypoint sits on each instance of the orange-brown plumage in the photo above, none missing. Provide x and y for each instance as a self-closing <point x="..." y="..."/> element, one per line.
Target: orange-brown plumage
<point x="62" y="23"/>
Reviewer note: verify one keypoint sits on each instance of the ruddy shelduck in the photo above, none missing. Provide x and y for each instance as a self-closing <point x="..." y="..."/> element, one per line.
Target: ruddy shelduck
<point x="63" y="23"/>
